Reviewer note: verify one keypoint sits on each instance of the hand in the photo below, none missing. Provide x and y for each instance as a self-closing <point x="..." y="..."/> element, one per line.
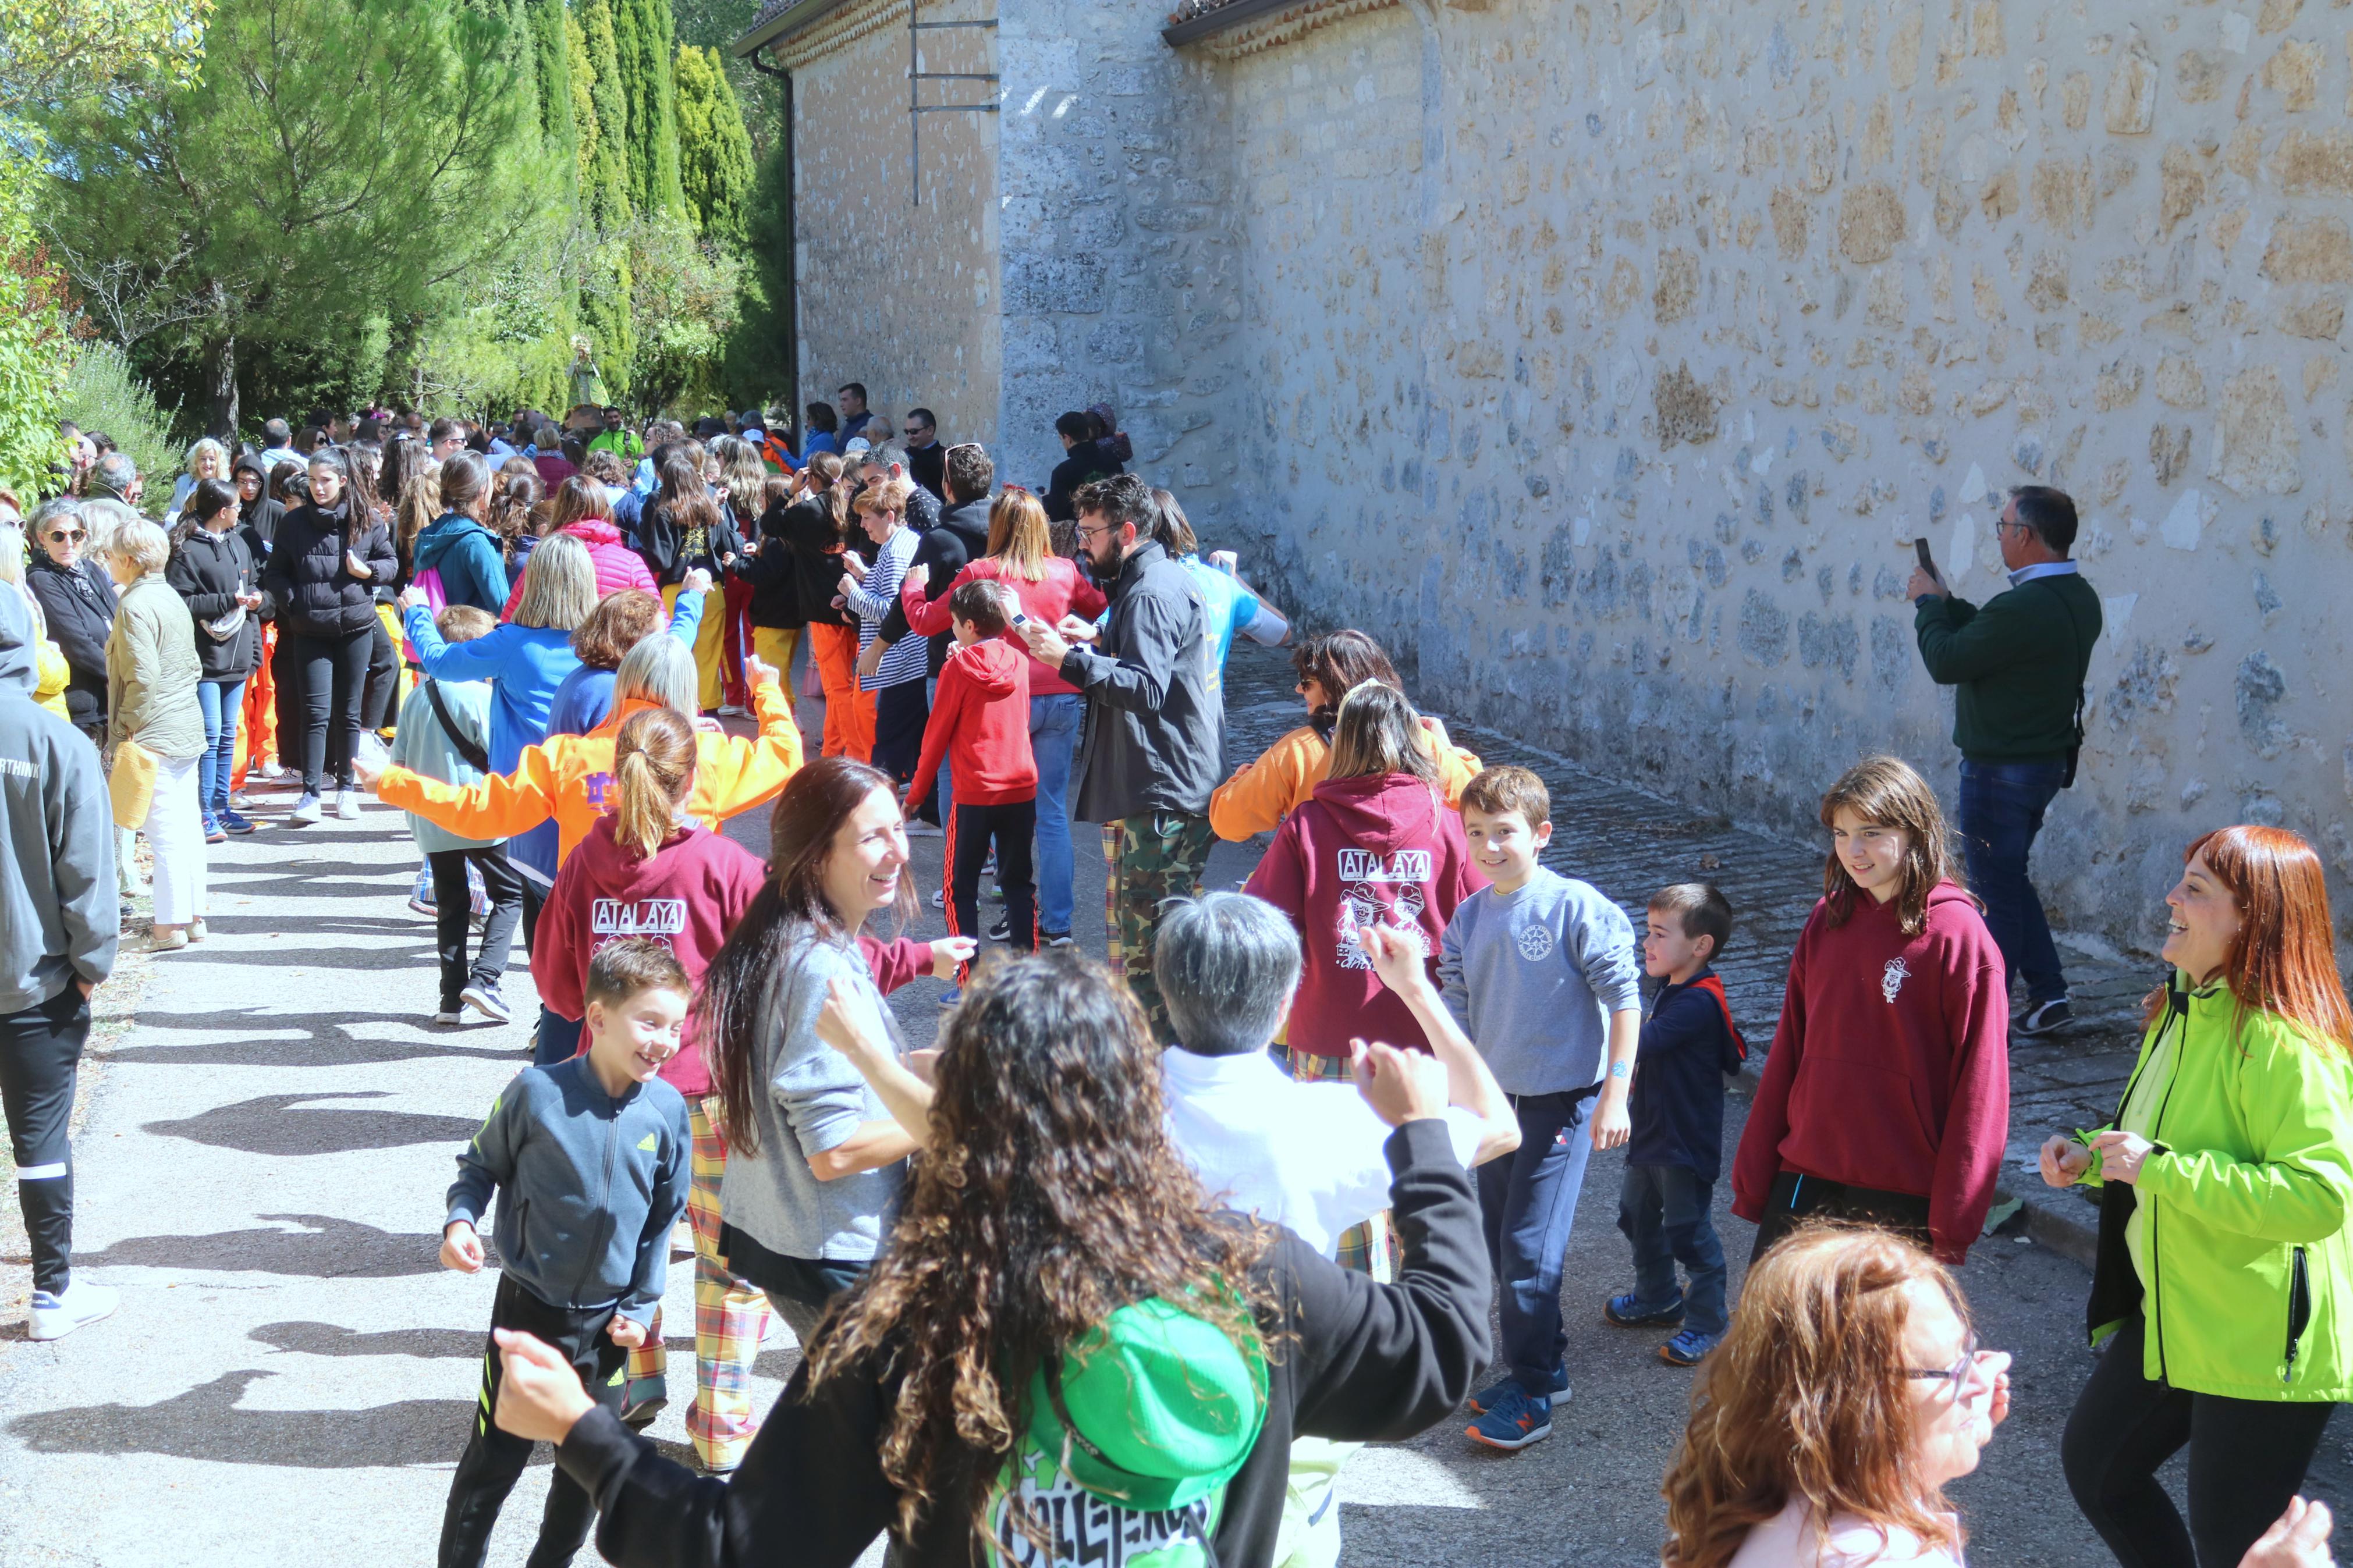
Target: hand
<point x="696" y="582"/>
<point x="1435" y="728"/>
<point x="840" y="603"/>
<point x="727" y="560"/>
<point x="1998" y="1411"/>
<point x="1224" y="561"/>
<point x="1398" y="957"/>
<point x="947" y="952"/>
<point x="365" y="772"/>
<point x="870" y="659"/>
<point x="1047" y="645"/>
<point x="2064" y="1161"/>
<point x="849" y="585"/>
<point x="356" y="567"/>
<point x="540" y="1397"/>
<point x="838" y="1023"/>
<point x="2121" y="1155"/>
<point x="626" y="1332"/>
<point x="85" y="986"/>
<point x="1076" y="629"/>
<point x="2297" y="1539"/>
<point x="1923" y="584"/>
<point x="250" y="598"/>
<point x="413" y="598"/>
<point x="914" y="575"/>
<point x="758" y="671"/>
<point x="1612" y="1125"/>
<point x="461" y="1250"/>
<point x="854" y="563"/>
<point x="1400" y="1086"/>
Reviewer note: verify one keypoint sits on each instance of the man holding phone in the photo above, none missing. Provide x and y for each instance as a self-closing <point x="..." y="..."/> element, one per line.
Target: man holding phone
<point x="2019" y="663"/>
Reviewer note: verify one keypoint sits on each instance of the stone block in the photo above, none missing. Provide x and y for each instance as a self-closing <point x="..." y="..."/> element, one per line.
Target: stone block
<point x="2198" y="75"/>
<point x="2317" y="249"/>
<point x="1050" y="285"/>
<point x="1677" y="289"/>
<point x="2182" y="185"/>
<point x="1871" y="222"/>
<point x="2293" y="72"/>
<point x="2310" y="165"/>
<point x="2323" y="318"/>
<point x="1683" y="410"/>
<point x="2255" y="448"/>
<point x="2178" y="382"/>
<point x="2130" y="107"/>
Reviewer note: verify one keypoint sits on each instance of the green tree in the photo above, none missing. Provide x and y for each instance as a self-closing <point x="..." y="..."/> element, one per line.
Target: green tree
<point x="759" y="357"/>
<point x="714" y="153"/>
<point x="550" y="41"/>
<point x="641" y="30"/>
<point x="604" y="131"/>
<point x="715" y="25"/>
<point x="339" y="165"/>
<point x="683" y="299"/>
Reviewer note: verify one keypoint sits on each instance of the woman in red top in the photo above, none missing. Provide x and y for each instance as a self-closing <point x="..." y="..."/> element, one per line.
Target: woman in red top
<point x="1050" y="586"/>
<point x="1886" y="1098"/>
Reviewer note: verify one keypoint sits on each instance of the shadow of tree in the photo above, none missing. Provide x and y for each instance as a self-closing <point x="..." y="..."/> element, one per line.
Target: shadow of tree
<point x="277" y="1125"/>
<point x="206" y="1423"/>
<point x="331" y="1040"/>
<point x="325" y="1248"/>
<point x="333" y="1338"/>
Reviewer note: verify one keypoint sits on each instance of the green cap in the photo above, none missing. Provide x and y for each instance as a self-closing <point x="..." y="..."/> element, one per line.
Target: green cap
<point x="1163" y="1408"/>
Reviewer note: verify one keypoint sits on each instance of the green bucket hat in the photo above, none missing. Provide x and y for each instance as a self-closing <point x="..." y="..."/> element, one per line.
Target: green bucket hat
<point x="1162" y="1408"/>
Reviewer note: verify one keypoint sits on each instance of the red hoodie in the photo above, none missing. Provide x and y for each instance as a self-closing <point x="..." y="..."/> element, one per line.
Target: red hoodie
<point x="1891" y="1066"/>
<point x="1062" y="591"/>
<point x="1357" y="851"/>
<point x="980" y="722"/>
<point x="690" y="895"/>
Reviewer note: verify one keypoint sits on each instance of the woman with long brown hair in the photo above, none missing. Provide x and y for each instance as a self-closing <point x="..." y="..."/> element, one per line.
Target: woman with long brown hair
<point x="1886" y="1098"/>
<point x="684" y="530"/>
<point x="2225" y="1271"/>
<point x="1061" y="1344"/>
<point x="582" y="510"/>
<point x="817" y="528"/>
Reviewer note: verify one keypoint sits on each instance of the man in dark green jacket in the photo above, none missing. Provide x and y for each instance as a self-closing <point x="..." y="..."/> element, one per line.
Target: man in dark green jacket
<point x="2019" y="663"/>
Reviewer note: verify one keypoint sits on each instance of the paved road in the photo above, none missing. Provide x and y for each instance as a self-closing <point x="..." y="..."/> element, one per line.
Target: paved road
<point x="289" y="1378"/>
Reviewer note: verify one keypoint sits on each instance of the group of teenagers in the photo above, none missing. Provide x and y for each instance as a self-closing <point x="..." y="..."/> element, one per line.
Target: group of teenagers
<point x="1126" y="1265"/>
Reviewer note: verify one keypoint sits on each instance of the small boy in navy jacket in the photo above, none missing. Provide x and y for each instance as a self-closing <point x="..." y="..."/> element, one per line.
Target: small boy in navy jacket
<point x="1676" y="1151"/>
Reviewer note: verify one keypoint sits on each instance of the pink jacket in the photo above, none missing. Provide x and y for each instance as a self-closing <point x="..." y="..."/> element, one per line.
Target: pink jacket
<point x="619" y="567"/>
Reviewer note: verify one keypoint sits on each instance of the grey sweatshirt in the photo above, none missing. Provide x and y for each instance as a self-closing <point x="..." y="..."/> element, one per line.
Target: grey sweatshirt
<point x="588" y="1186"/>
<point x="1533" y="977"/>
<point x="59" y="920"/>
<point x="814" y="1102"/>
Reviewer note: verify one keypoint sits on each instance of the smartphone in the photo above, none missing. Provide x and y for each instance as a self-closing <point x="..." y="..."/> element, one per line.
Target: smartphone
<point x="1928" y="561"/>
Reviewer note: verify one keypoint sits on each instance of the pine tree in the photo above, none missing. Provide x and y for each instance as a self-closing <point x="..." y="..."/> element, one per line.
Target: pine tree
<point x="642" y="33"/>
<point x="714" y="153"/>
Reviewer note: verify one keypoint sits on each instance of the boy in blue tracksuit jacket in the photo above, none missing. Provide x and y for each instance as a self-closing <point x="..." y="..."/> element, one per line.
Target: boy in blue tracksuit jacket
<point x="1676" y="1149"/>
<point x="589" y="1158"/>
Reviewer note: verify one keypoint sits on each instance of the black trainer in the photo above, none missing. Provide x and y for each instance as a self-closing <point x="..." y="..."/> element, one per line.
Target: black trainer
<point x="2046" y="1016"/>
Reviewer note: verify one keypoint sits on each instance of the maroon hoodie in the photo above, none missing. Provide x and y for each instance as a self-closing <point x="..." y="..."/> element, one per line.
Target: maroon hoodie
<point x="1359" y="852"/>
<point x="690" y="895"/>
<point x="1890" y="1067"/>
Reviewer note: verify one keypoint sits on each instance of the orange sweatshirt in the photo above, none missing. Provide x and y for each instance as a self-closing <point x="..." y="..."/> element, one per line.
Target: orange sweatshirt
<point x="566" y="777"/>
<point x="1257" y="798"/>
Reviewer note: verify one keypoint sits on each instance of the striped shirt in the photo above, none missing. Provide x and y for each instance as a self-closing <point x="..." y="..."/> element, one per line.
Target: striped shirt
<point x="879" y="590"/>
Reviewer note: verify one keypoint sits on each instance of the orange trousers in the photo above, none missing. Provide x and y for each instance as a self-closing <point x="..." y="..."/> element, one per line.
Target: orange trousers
<point x="257" y="730"/>
<point x="849" y="712"/>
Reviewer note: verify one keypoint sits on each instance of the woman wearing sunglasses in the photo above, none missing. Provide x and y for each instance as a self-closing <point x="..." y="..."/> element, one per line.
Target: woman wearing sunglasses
<point x="77" y="598"/>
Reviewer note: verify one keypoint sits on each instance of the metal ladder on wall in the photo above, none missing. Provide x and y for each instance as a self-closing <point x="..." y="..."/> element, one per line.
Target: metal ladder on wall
<point x="917" y="75"/>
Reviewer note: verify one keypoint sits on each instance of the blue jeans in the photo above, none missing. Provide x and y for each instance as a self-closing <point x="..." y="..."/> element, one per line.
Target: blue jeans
<point x="1664" y="1211"/>
<point x="2001" y="811"/>
<point x="1527" y="1200"/>
<point x="1053" y="736"/>
<point x="220" y="702"/>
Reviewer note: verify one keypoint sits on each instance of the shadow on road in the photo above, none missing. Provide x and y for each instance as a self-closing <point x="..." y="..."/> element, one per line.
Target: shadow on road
<point x="327" y="1248"/>
<point x="333" y="1338"/>
<point x="331" y="1040"/>
<point x="277" y="1125"/>
<point x="206" y="1424"/>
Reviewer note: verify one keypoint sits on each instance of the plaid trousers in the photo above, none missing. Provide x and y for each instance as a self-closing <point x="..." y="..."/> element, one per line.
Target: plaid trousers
<point x="1370" y="1247"/>
<point x="730" y="1318"/>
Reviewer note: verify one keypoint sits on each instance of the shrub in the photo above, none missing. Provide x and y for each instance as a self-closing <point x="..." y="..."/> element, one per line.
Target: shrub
<point x="103" y="392"/>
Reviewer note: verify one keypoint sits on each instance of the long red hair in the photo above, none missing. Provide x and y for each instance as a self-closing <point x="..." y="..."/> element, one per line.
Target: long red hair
<point x="2284" y="960"/>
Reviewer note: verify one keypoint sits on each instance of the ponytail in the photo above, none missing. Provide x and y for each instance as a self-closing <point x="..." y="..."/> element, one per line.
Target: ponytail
<point x="653" y="767"/>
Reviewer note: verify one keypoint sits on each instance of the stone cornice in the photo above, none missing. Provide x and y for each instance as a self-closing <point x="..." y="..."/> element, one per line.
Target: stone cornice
<point x="1240" y="27"/>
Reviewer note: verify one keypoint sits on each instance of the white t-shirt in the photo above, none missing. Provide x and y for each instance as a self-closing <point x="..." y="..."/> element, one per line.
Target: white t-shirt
<point x="1794" y="1537"/>
<point x="1305" y="1155"/>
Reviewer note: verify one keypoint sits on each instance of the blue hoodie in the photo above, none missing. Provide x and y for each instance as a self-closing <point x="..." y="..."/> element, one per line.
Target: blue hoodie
<point x="59" y="920"/>
<point x="467" y="555"/>
<point x="588" y="1186"/>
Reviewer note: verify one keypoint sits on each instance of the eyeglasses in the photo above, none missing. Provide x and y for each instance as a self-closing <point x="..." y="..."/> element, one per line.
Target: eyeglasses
<point x="1086" y="532"/>
<point x="70" y="536"/>
<point x="1956" y="1374"/>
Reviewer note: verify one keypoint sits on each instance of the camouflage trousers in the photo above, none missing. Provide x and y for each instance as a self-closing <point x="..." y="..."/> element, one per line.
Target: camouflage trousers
<point x="1152" y="859"/>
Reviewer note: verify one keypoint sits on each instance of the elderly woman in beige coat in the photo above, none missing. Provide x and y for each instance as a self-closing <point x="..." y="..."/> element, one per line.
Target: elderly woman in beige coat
<point x="152" y="671"/>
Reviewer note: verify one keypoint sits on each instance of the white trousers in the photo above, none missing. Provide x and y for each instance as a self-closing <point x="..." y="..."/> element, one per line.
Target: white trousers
<point x="175" y="837"/>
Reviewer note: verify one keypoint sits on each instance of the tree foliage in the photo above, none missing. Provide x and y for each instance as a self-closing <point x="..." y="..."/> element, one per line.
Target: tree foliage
<point x="52" y="51"/>
<point x="642" y="37"/>
<point x="683" y="298"/>
<point x="714" y="153"/>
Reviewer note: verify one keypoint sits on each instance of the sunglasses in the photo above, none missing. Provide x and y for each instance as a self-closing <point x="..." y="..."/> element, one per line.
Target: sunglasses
<point x="73" y="536"/>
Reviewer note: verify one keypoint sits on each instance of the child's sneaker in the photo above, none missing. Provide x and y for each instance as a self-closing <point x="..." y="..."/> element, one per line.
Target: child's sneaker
<point x="485" y="999"/>
<point x="1513" y="1421"/>
<point x="213" y="833"/>
<point x="231" y="822"/>
<point x="1482" y="1401"/>
<point x="1688" y="1348"/>
<point x="306" y="810"/>
<point x="59" y="1313"/>
<point x="1628" y="1313"/>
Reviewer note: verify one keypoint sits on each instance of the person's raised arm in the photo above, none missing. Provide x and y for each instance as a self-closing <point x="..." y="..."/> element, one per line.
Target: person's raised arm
<point x="1138" y="679"/>
<point x="842" y="1025"/>
<point x="1398" y="960"/>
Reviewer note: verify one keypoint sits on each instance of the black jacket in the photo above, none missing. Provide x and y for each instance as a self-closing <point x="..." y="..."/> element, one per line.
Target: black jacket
<point x="259" y="527"/>
<point x="1154" y="724"/>
<point x="78" y="604"/>
<point x="771" y="575"/>
<point x="308" y="587"/>
<point x="816" y="546"/>
<point x="928" y="466"/>
<point x="672" y="551"/>
<point x="1356" y="1362"/>
<point x="1087" y="461"/>
<point x="962" y="536"/>
<point x="209" y="570"/>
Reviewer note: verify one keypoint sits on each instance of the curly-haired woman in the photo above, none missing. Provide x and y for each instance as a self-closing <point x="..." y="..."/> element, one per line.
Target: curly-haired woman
<point x="1062" y="1345"/>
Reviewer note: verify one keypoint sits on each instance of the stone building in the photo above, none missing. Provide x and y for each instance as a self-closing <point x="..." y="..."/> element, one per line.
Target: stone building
<point x="1604" y="359"/>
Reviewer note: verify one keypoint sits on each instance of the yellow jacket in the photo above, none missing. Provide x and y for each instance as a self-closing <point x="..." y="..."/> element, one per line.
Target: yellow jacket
<point x="51" y="676"/>
<point x="1257" y="798"/>
<point x="568" y="777"/>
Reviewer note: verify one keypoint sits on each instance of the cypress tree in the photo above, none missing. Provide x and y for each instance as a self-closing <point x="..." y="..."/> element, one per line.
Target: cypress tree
<point x="559" y="130"/>
<point x="642" y="33"/>
<point x="607" y="194"/>
<point x="714" y="151"/>
<point x="604" y="195"/>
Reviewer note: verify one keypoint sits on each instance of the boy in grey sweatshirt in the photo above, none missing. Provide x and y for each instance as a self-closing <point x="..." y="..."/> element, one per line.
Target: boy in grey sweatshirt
<point x="1541" y="971"/>
<point x="589" y="1158"/>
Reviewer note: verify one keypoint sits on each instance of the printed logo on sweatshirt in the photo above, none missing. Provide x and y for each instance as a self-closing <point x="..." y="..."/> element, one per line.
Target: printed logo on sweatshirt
<point x="1535" y="943"/>
<point x="1364" y="905"/>
<point x="17" y="768"/>
<point x="648" y="1143"/>
<point x="639" y="917"/>
<point x="1892" y="979"/>
<point x="1367" y="865"/>
<point x="595" y="786"/>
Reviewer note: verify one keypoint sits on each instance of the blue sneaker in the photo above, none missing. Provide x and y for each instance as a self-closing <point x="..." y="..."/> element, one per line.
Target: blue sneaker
<point x="1485" y="1400"/>
<point x="213" y="833"/>
<point x="233" y="823"/>
<point x="1688" y="1348"/>
<point x="1514" y="1421"/>
<point x="950" y="997"/>
<point x="1628" y="1313"/>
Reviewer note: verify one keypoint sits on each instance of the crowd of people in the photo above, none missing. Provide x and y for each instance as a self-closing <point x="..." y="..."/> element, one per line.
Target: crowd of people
<point x="1139" y="1252"/>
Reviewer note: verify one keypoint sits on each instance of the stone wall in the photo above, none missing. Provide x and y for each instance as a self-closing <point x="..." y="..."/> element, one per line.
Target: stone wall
<point x="1607" y="357"/>
<point x="900" y="296"/>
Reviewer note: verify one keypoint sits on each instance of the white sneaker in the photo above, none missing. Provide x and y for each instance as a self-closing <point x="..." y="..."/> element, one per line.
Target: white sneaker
<point x="56" y="1316"/>
<point x="347" y="805"/>
<point x="733" y="711"/>
<point x="197" y="932"/>
<point x="306" y="810"/>
<point x="449" y="1019"/>
<point x="272" y="771"/>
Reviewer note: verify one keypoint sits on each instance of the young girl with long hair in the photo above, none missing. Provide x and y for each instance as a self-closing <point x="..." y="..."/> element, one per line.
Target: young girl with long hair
<point x="460" y="548"/>
<point x="818" y="528"/>
<point x="1886" y="1097"/>
<point x="582" y="510"/>
<point x="743" y="485"/>
<point x="684" y="530"/>
<point x="2224" y="1260"/>
<point x="213" y="571"/>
